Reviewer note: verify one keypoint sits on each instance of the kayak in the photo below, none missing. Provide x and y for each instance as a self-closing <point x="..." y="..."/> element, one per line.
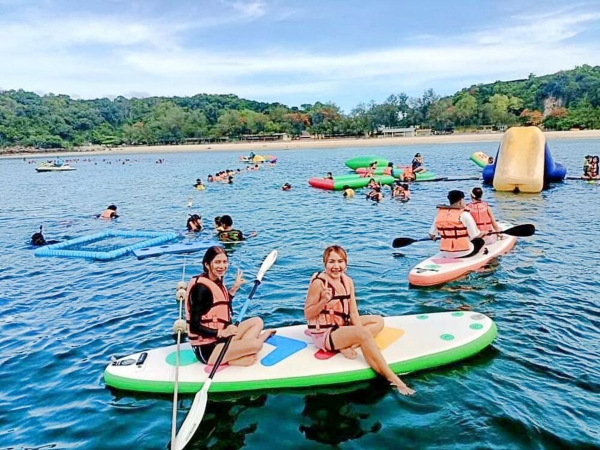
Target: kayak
<point x="289" y="359"/>
<point x="421" y="176"/>
<point x="353" y="181"/>
<point x="440" y="269"/>
<point x="365" y="161"/>
<point x="480" y="158"/>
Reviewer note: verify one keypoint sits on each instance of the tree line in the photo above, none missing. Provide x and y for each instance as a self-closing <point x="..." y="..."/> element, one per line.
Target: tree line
<point x="561" y="101"/>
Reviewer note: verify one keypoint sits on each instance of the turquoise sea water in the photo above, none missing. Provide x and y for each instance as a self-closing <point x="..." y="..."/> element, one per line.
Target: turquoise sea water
<point x="537" y="386"/>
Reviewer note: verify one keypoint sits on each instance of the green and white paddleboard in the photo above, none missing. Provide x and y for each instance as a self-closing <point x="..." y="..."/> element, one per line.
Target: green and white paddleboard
<point x="290" y="360"/>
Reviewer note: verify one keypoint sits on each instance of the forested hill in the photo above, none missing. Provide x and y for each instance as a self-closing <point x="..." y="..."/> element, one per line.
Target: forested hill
<point x="559" y="101"/>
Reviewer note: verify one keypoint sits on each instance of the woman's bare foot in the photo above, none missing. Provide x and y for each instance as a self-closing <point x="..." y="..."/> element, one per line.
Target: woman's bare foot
<point x="244" y="361"/>
<point x="403" y="389"/>
<point x="348" y="353"/>
<point x="266" y="334"/>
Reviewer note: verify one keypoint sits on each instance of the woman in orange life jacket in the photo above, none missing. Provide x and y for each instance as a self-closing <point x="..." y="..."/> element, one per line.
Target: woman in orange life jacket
<point x="109" y="213"/>
<point x="333" y="319"/>
<point x="389" y="170"/>
<point x="408" y="175"/>
<point x="208" y="315"/>
<point x="456" y="227"/>
<point x="483" y="215"/>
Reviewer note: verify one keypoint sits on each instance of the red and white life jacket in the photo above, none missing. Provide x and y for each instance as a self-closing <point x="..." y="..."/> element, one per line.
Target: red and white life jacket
<point x="336" y="312"/>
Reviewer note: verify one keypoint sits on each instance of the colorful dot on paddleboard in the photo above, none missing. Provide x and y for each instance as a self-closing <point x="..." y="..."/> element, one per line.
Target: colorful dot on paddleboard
<point x="476" y="326"/>
<point x="186" y="357"/>
<point x="423" y="317"/>
<point x="458" y="314"/>
<point x="477" y="317"/>
<point x="447" y="337"/>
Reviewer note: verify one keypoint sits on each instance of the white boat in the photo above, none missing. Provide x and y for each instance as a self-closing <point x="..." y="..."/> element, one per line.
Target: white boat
<point x="51" y="167"/>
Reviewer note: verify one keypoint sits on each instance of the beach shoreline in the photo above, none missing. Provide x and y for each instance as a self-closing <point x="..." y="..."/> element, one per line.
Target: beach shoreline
<point x="308" y="144"/>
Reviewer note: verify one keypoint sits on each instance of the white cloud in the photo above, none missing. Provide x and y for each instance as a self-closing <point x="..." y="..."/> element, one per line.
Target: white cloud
<point x="150" y="58"/>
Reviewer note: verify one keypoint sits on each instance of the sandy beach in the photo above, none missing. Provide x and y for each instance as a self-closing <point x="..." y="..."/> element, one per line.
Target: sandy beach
<point x="316" y="144"/>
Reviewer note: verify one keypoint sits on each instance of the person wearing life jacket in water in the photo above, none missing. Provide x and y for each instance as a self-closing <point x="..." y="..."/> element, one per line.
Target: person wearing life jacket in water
<point x="483" y="215"/>
<point x="375" y="194"/>
<point x="109" y="213"/>
<point x="348" y="191"/>
<point x="401" y="192"/>
<point x="456" y="227"/>
<point x="194" y="223"/>
<point x="333" y="320"/>
<point x="389" y="170"/>
<point x="199" y="184"/>
<point x="408" y="175"/>
<point x="208" y="315"/>
<point x="229" y="234"/>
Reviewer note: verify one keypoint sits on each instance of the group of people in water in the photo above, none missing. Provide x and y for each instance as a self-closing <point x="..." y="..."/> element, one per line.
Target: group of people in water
<point x="223" y="226"/>
<point x="590" y="167"/>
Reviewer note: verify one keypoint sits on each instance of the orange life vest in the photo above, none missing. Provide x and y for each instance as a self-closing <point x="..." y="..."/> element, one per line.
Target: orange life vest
<point x="336" y="312"/>
<point x="387" y="171"/>
<point x="107" y="214"/>
<point x="408" y="174"/>
<point x="217" y="317"/>
<point x="479" y="211"/>
<point x="455" y="237"/>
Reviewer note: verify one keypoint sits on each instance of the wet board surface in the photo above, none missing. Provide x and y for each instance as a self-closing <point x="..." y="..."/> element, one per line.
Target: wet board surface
<point x="290" y="360"/>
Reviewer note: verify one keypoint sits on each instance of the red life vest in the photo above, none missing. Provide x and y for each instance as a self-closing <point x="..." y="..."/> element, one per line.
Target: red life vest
<point x="336" y="312"/>
<point x="217" y="317"/>
<point x="387" y="171"/>
<point x="479" y="211"/>
<point x="455" y="237"/>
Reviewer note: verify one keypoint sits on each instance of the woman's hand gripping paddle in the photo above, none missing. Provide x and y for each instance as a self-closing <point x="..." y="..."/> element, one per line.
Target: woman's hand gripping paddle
<point x="196" y="413"/>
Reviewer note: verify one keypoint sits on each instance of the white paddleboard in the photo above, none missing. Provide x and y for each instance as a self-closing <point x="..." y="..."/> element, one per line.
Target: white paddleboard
<point x="440" y="269"/>
<point x="290" y="360"/>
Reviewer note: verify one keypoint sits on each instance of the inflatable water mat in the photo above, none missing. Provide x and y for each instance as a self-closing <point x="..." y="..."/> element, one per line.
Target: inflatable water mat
<point x="106" y="245"/>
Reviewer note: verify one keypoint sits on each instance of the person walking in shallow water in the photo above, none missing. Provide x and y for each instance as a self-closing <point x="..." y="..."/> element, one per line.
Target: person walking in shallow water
<point x="333" y="319"/>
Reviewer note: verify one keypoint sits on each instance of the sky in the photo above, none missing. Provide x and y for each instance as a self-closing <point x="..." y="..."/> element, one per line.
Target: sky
<point x="288" y="51"/>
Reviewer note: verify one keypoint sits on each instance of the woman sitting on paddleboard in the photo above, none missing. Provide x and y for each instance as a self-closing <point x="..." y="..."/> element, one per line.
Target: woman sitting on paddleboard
<point x="333" y="319"/>
<point x="208" y="315"/>
<point x="456" y="227"/>
<point x="483" y="215"/>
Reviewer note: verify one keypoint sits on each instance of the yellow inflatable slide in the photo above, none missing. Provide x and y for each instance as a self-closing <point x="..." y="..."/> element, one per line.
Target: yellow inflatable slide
<point x="520" y="161"/>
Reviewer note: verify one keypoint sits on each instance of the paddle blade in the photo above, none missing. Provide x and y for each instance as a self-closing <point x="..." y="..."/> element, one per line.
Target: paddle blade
<point x="194" y="417"/>
<point x="525" y="230"/>
<point x="266" y="265"/>
<point x="402" y="242"/>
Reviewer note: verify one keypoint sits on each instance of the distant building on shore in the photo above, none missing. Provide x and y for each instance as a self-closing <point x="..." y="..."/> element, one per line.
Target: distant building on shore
<point x="265" y="137"/>
<point x="404" y="132"/>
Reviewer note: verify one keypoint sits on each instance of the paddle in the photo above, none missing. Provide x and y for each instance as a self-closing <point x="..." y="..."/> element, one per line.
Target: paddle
<point x="196" y="413"/>
<point x="518" y="230"/>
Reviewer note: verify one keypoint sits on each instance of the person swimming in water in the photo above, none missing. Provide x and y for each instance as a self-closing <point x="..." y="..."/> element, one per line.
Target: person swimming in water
<point x="229" y="234"/>
<point x="401" y="192"/>
<point x="376" y="195"/>
<point x="286" y="187"/>
<point x="109" y="213"/>
<point x="194" y="223"/>
<point x="329" y="176"/>
<point x="348" y="191"/>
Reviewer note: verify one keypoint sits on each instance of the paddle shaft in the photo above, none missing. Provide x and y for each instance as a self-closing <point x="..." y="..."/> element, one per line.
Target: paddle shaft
<point x="229" y="338"/>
